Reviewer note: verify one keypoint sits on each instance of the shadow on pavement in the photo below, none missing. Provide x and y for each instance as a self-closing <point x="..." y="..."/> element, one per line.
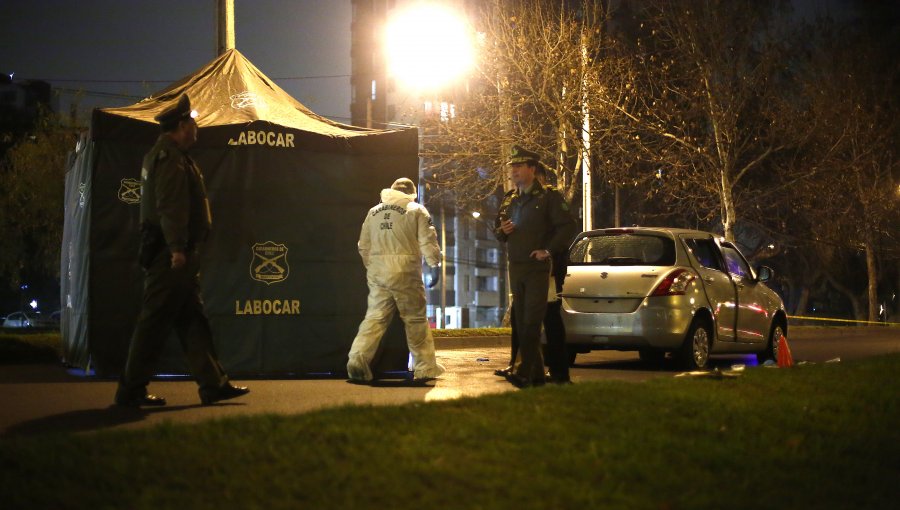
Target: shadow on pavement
<point x="86" y="420"/>
<point x="395" y="383"/>
<point x="667" y="365"/>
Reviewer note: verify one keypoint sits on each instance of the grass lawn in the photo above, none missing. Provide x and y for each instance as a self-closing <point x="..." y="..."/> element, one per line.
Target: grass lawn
<point x="471" y="332"/>
<point x="818" y="436"/>
<point x="30" y="348"/>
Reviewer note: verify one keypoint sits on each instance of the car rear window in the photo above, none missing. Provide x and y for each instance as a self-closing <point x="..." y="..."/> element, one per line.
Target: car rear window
<point x="623" y="249"/>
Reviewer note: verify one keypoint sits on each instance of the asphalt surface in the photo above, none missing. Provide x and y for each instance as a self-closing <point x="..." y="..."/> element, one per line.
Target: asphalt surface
<point x="38" y="399"/>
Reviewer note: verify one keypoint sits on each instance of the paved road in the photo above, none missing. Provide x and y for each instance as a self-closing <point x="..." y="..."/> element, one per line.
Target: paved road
<point x="45" y="398"/>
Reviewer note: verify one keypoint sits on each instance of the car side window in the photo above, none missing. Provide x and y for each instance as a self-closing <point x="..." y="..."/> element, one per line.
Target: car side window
<point x="736" y="263"/>
<point x="704" y="251"/>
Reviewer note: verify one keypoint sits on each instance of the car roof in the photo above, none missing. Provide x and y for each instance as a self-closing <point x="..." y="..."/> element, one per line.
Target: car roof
<point x="648" y="230"/>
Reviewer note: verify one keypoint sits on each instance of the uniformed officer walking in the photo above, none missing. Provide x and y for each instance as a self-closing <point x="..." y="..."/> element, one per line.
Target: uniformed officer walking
<point x="175" y="220"/>
<point x="535" y="222"/>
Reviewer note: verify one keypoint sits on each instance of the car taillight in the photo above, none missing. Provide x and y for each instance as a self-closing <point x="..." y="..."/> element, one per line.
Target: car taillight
<point x="675" y="284"/>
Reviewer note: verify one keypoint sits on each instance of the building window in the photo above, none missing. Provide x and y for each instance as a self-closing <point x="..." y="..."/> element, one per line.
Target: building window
<point x="486" y="283"/>
<point x="485" y="256"/>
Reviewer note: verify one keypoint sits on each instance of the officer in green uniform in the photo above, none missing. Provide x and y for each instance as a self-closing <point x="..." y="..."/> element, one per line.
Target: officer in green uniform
<point x="555" y="356"/>
<point x="175" y="220"/>
<point x="534" y="221"/>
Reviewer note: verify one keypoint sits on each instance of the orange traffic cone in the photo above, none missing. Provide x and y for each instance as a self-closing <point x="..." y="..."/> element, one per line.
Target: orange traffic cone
<point x="785" y="359"/>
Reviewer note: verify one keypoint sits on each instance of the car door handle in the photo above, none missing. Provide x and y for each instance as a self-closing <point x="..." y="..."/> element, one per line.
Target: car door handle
<point x="709" y="279"/>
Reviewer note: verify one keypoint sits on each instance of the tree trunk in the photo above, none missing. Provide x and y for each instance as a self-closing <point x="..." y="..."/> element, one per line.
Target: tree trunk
<point x="855" y="301"/>
<point x="802" y="301"/>
<point x="728" y="213"/>
<point x="618" y="208"/>
<point x="872" y="271"/>
<point x="811" y="274"/>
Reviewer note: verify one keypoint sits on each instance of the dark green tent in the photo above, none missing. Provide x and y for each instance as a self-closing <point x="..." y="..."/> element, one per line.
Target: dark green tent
<point x="283" y="283"/>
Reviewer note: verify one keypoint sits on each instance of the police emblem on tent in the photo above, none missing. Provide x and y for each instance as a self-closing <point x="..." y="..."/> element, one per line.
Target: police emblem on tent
<point x="269" y="264"/>
<point x="130" y="191"/>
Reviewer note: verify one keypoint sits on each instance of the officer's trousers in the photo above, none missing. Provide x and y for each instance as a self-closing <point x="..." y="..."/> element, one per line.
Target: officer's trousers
<point x="529" y="283"/>
<point x="171" y="300"/>
<point x="404" y="293"/>
<point x="556" y="357"/>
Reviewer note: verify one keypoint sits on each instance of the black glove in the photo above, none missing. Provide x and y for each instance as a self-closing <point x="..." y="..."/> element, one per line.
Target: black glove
<point x="434" y="276"/>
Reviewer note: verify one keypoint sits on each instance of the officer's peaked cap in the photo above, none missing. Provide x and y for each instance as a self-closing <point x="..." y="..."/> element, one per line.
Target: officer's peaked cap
<point x="405" y="185"/>
<point x="182" y="110"/>
<point x="519" y="154"/>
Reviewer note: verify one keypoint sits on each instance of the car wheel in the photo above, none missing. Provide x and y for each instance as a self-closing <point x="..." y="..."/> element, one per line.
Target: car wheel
<point x="694" y="353"/>
<point x="771" y="352"/>
<point x="652" y="356"/>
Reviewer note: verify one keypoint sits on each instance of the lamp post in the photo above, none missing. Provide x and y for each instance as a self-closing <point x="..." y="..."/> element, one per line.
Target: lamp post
<point x="443" y="322"/>
<point x="427" y="48"/>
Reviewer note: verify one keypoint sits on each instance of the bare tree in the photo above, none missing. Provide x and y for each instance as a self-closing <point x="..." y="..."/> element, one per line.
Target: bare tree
<point x="709" y="73"/>
<point x="854" y="202"/>
<point x="539" y="63"/>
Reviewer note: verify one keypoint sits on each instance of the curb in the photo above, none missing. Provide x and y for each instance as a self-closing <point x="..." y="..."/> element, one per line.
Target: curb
<point x="470" y="342"/>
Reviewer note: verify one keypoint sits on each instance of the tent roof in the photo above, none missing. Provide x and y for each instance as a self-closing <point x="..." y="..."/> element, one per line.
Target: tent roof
<point x="230" y="90"/>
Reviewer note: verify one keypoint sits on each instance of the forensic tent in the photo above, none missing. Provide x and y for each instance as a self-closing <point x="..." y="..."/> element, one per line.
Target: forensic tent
<point x="283" y="283"/>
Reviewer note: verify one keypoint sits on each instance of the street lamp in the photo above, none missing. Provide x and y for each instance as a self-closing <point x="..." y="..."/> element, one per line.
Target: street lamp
<point x="428" y="46"/>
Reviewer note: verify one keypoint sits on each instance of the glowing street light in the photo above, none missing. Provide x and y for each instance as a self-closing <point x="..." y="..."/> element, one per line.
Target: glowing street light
<point x="428" y="46"/>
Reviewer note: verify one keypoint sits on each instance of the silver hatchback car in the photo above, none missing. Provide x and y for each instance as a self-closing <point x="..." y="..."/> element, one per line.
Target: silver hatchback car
<point x="659" y="290"/>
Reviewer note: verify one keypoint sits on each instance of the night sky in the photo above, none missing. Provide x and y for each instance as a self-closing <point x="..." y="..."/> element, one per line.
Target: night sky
<point x="111" y="48"/>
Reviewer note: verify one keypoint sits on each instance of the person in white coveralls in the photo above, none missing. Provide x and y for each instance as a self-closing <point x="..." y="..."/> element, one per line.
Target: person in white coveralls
<point x="395" y="235"/>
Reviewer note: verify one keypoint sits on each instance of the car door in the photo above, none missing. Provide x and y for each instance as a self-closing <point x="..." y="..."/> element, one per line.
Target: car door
<point x="720" y="291"/>
<point x="752" y="317"/>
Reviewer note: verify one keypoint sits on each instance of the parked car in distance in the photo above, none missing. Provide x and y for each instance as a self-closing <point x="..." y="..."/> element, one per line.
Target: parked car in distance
<point x="27" y="320"/>
<point x="665" y="290"/>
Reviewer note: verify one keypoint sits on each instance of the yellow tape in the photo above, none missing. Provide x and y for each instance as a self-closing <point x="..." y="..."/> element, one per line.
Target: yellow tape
<point x="842" y="320"/>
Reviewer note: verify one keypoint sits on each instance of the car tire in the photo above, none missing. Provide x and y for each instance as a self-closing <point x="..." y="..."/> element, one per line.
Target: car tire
<point x="771" y="352"/>
<point x="694" y="352"/>
<point x="652" y="356"/>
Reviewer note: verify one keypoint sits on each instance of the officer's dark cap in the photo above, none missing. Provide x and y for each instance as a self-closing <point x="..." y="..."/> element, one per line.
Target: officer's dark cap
<point x="519" y="155"/>
<point x="170" y="117"/>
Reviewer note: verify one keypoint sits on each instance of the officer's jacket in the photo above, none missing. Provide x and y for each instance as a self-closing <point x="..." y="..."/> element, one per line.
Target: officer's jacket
<point x="396" y="234"/>
<point x="542" y="220"/>
<point x="173" y="196"/>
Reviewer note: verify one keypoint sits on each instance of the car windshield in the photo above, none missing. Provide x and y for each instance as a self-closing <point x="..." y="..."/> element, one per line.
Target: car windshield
<point x="623" y="249"/>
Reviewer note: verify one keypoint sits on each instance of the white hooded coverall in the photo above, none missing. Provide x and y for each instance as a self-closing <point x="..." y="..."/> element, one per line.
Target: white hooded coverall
<point x="395" y="235"/>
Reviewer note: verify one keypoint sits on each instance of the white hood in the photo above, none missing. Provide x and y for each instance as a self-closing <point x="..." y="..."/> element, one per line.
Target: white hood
<point x="395" y="197"/>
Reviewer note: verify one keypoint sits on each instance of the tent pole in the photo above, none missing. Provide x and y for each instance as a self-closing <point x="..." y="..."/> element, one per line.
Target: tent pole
<point x="224" y="26"/>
